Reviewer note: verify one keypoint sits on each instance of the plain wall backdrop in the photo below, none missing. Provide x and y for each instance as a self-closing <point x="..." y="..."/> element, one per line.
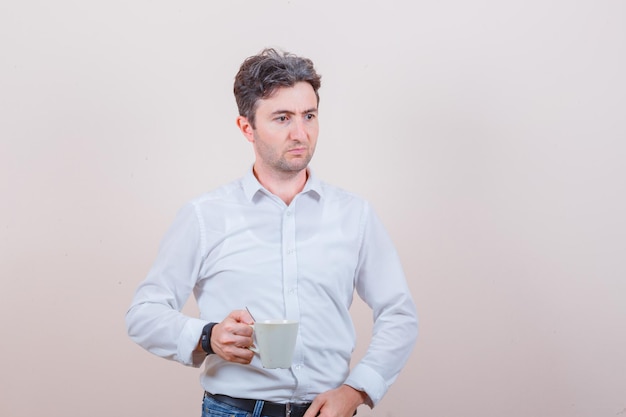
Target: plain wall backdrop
<point x="490" y="136"/>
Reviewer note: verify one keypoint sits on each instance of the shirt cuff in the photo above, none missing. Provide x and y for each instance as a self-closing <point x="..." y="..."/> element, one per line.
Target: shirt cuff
<point x="364" y="378"/>
<point x="188" y="342"/>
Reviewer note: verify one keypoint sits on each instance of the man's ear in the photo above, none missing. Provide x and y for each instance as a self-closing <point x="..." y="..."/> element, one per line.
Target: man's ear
<point x="246" y="128"/>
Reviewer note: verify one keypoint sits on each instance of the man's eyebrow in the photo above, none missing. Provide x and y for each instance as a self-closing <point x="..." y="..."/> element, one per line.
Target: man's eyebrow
<point x="276" y="112"/>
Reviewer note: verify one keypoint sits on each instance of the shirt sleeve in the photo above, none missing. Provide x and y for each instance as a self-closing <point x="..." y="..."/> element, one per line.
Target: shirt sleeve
<point x="381" y="283"/>
<point x="154" y="319"/>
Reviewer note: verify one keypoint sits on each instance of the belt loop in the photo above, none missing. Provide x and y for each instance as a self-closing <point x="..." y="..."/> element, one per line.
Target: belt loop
<point x="258" y="408"/>
<point x="288" y="410"/>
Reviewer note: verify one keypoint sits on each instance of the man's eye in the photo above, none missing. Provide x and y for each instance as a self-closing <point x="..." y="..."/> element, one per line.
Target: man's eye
<point x="281" y="118"/>
<point x="310" y="116"/>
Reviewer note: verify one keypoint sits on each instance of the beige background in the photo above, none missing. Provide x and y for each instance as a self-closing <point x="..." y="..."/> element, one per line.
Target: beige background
<point x="489" y="135"/>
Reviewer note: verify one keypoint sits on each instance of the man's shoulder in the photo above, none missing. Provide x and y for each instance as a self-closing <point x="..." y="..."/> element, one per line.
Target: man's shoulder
<point x="226" y="192"/>
<point x="334" y="192"/>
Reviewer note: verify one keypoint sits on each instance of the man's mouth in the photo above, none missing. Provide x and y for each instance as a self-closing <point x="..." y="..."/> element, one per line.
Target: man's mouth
<point x="298" y="150"/>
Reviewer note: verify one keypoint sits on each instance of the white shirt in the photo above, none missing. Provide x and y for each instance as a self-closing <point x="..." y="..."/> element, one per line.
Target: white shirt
<point x="242" y="246"/>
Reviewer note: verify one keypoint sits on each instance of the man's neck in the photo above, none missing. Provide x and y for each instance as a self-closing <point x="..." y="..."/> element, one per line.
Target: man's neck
<point x="285" y="185"/>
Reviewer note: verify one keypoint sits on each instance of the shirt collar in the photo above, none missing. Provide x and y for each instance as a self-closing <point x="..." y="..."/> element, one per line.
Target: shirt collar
<point x="251" y="186"/>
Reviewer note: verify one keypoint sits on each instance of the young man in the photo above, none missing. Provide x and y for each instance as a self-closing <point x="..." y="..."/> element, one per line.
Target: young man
<point x="287" y="245"/>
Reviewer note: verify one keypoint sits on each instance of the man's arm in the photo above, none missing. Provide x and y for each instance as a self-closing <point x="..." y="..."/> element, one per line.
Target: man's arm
<point x="381" y="283"/>
<point x="154" y="319"/>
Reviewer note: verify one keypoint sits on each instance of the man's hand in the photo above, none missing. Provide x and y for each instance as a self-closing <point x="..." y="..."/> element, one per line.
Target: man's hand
<point x="231" y="338"/>
<point x="339" y="402"/>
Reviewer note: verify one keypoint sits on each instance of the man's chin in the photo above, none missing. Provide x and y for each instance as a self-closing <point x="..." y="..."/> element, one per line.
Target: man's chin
<point x="296" y="164"/>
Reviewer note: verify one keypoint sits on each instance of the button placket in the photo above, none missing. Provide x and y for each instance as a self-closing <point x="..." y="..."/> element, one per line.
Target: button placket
<point x="290" y="285"/>
<point x="290" y="265"/>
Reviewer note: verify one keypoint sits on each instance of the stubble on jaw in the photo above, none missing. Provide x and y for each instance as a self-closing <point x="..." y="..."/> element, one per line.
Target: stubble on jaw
<point x="279" y="162"/>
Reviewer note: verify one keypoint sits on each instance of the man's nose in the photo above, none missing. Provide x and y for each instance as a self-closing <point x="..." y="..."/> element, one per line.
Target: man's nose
<point x="298" y="129"/>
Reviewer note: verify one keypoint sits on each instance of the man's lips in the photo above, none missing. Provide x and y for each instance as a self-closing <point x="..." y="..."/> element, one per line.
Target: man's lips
<point x="297" y="151"/>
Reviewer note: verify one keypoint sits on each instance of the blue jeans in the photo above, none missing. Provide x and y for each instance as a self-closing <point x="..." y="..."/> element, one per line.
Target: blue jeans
<point x="213" y="408"/>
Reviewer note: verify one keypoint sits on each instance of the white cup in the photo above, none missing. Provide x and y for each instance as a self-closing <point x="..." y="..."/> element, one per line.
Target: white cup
<point x="274" y="341"/>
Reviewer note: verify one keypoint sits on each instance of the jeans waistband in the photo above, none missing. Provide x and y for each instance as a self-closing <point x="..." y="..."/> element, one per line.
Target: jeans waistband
<point x="269" y="408"/>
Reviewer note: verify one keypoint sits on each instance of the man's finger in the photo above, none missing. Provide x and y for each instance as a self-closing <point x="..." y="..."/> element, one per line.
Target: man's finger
<point x="314" y="409"/>
<point x="241" y="316"/>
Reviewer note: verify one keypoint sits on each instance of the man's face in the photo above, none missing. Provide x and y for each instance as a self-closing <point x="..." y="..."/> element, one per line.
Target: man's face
<point x="286" y="130"/>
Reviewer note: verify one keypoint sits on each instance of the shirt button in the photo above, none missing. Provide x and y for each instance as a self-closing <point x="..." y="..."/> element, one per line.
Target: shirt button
<point x="288" y="212"/>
